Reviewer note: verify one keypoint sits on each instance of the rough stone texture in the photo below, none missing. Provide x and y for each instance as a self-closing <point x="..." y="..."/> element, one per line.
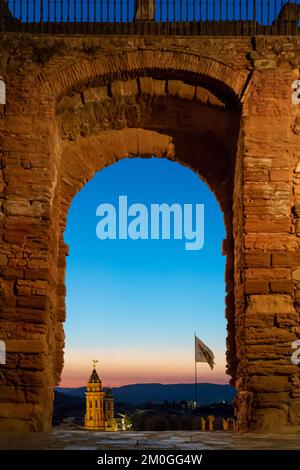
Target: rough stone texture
<point x="65" y="437"/>
<point x="78" y="104"/>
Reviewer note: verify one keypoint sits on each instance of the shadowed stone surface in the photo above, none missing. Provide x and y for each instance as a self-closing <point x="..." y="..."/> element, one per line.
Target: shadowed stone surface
<point x="221" y="106"/>
<point x="183" y="440"/>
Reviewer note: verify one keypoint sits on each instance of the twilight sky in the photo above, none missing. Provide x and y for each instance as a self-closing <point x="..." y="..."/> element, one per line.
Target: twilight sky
<point x="123" y="10"/>
<point x="135" y="304"/>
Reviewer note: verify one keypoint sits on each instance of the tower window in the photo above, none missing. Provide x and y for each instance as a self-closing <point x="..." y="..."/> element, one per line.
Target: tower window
<point x="91" y="404"/>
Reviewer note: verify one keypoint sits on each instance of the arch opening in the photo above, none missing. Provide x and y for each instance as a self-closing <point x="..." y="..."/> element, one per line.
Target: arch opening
<point x="128" y="268"/>
<point x="150" y="116"/>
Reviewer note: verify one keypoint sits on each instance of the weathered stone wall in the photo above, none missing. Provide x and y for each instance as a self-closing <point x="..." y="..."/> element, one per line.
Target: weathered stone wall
<point x="221" y="106"/>
<point x="271" y="245"/>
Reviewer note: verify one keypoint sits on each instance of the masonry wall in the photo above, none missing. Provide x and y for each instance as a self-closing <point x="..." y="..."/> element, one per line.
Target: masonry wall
<point x="271" y="244"/>
<point x="244" y="85"/>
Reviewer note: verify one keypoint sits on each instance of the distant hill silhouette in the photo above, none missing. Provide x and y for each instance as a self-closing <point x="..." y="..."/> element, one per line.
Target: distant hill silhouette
<point x="137" y="394"/>
<point x="66" y="406"/>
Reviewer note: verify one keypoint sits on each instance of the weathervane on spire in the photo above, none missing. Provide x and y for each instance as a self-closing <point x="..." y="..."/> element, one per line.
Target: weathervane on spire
<point x="95" y="362"/>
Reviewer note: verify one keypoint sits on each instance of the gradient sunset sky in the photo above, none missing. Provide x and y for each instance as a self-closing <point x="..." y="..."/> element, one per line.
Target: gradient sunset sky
<point x="135" y="305"/>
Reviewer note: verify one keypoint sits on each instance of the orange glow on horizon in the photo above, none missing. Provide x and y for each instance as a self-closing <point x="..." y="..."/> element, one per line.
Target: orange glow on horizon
<point x="123" y="367"/>
<point x="75" y="382"/>
<point x="72" y="378"/>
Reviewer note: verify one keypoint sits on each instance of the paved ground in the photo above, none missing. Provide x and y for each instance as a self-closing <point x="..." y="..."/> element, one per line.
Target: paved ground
<point x="182" y="440"/>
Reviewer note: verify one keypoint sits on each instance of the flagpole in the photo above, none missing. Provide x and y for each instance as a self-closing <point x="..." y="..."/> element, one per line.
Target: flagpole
<point x="195" y="372"/>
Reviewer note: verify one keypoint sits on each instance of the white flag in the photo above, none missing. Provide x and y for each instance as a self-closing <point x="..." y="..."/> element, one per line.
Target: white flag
<point x="203" y="353"/>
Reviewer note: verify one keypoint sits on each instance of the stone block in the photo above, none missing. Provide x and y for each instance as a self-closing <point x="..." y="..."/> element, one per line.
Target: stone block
<point x="270" y="241"/>
<point x="33" y="361"/>
<point x="281" y="286"/>
<point x="24" y="208"/>
<point x="181" y="89"/>
<point x="256" y="287"/>
<point x="38" y="302"/>
<point x="124" y="88"/>
<point x="270" y="383"/>
<point x="287" y="320"/>
<point x="265" y="224"/>
<point x="286" y="258"/>
<point x="272" y="303"/>
<point x="12" y="424"/>
<point x="25" y="346"/>
<point x="257" y="260"/>
<point x="3" y="259"/>
<point x="150" y="86"/>
<point x="12" y="273"/>
<point x="267" y="273"/>
<point x="296" y="274"/>
<point x="37" y="274"/>
<point x="9" y="393"/>
<point x="17" y="410"/>
<point x="281" y="175"/>
<point x="96" y="94"/>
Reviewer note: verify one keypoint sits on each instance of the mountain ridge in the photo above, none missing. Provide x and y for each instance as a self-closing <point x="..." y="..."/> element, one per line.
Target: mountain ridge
<point x="157" y="393"/>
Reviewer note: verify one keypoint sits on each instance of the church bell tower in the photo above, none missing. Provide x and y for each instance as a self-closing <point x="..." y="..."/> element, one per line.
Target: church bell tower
<point x="94" y="416"/>
<point x="110" y="422"/>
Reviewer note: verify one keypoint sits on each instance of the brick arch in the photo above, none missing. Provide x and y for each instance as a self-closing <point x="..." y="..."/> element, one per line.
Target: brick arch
<point x="264" y="280"/>
<point x="222" y="76"/>
<point x="213" y="133"/>
<point x="88" y="155"/>
<point x="81" y="157"/>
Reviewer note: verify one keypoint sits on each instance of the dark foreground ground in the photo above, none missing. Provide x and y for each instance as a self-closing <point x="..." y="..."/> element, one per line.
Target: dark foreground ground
<point x="181" y="440"/>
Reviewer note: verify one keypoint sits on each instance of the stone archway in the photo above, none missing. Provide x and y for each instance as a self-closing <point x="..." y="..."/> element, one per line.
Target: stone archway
<point x="146" y="115"/>
<point x="96" y="111"/>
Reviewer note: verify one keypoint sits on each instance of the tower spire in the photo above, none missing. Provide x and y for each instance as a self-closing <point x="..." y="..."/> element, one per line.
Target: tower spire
<point x="95" y="361"/>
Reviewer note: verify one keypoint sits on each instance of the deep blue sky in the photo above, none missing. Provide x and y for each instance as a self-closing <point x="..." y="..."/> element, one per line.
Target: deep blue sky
<point x="166" y="10"/>
<point x="135" y="305"/>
